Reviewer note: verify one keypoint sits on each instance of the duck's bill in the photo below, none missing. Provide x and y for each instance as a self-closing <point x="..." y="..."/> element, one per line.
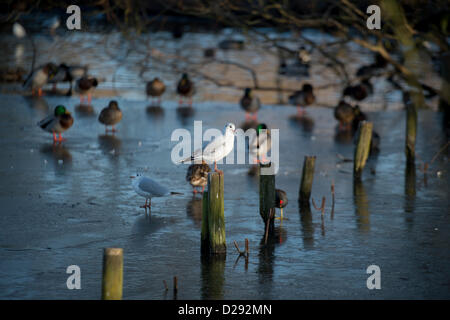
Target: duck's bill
<point x="132" y="177"/>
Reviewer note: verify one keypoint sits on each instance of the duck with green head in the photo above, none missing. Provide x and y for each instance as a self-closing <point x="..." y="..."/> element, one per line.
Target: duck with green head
<point x="251" y="104"/>
<point x="260" y="144"/>
<point x="58" y="122"/>
<point x="185" y="88"/>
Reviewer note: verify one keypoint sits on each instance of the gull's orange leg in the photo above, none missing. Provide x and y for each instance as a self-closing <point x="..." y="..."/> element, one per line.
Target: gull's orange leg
<point x="61" y="138"/>
<point x="217" y="170"/>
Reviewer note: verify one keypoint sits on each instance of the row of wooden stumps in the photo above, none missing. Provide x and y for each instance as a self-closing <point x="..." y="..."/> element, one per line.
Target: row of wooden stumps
<point x="213" y="240"/>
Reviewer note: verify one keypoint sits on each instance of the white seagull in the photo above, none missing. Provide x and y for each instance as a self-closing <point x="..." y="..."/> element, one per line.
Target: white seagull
<point x="149" y="188"/>
<point x="217" y="149"/>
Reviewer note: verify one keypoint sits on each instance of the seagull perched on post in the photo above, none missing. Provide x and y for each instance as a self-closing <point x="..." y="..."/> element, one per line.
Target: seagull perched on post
<point x="149" y="188"/>
<point x="217" y="149"/>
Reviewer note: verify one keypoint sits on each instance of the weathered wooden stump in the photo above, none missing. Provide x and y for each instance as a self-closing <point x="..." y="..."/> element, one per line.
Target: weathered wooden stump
<point x="307" y="180"/>
<point x="112" y="282"/>
<point x="362" y="148"/>
<point x="213" y="239"/>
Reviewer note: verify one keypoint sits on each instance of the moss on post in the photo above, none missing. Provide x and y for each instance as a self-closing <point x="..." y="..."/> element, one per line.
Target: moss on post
<point x="112" y="281"/>
<point x="213" y="216"/>
<point x="411" y="132"/>
<point x="362" y="148"/>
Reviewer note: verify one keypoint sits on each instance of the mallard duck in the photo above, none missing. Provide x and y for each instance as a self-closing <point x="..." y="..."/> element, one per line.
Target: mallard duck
<point x="302" y="98"/>
<point x="58" y="122"/>
<point x="67" y="73"/>
<point x="155" y="88"/>
<point x="85" y="86"/>
<point x="39" y="78"/>
<point x="185" y="88"/>
<point x="197" y="175"/>
<point x="360" y="91"/>
<point x="260" y="144"/>
<point x="251" y="104"/>
<point x="281" y="201"/>
<point x="344" y="113"/>
<point x="111" y="115"/>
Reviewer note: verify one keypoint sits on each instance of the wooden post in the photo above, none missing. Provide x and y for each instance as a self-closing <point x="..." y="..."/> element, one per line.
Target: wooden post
<point x="213" y="218"/>
<point x="213" y="276"/>
<point x="307" y="180"/>
<point x="411" y="131"/>
<point x="175" y="287"/>
<point x="362" y="148"/>
<point x="361" y="206"/>
<point x="205" y="227"/>
<point x="444" y="100"/>
<point x="112" y="274"/>
<point x="266" y="197"/>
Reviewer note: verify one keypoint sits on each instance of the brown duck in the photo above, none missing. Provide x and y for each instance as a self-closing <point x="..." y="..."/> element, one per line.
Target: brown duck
<point x="85" y="86"/>
<point x="185" y="88"/>
<point x="303" y="98"/>
<point x="197" y="175"/>
<point x="345" y="114"/>
<point x="110" y="116"/>
<point x="155" y="88"/>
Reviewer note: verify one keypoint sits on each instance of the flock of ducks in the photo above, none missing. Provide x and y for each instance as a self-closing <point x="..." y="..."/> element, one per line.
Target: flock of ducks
<point x="347" y="115"/>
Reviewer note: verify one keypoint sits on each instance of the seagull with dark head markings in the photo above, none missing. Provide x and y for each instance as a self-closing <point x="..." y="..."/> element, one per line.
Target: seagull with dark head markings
<point x="217" y="149"/>
<point x="149" y="188"/>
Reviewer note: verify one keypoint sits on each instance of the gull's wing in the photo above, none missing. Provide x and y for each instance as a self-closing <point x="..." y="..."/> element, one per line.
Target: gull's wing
<point x="153" y="187"/>
<point x="208" y="149"/>
<point x="215" y="146"/>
